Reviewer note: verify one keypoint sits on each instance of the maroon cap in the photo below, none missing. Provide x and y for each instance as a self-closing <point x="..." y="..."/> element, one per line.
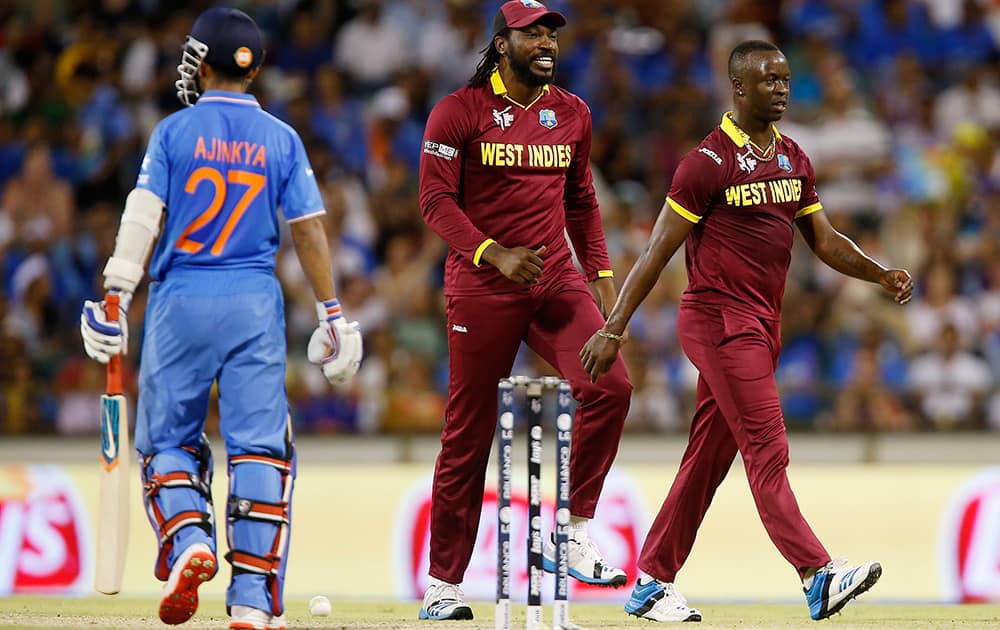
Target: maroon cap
<point x="523" y="13"/>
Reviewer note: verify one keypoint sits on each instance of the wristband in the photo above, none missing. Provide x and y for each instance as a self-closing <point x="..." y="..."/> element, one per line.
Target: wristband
<point x="329" y="310"/>
<point x="608" y="335"/>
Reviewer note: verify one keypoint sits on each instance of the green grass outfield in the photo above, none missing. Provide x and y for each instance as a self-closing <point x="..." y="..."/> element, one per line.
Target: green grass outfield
<point x="114" y="612"/>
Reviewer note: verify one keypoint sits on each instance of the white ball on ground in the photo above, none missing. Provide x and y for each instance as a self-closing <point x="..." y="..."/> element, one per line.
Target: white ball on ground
<point x="319" y="606"/>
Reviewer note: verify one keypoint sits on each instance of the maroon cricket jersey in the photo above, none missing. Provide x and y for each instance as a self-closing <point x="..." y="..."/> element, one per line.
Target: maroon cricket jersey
<point x="517" y="174"/>
<point x="743" y="207"/>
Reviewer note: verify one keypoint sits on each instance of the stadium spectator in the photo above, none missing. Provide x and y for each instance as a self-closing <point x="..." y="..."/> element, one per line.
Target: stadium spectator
<point x="38" y="201"/>
<point x="950" y="384"/>
<point x="371" y="48"/>
<point x="939" y="307"/>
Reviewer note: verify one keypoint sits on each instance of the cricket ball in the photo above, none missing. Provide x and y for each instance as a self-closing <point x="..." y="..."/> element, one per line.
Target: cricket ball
<point x="319" y="606"/>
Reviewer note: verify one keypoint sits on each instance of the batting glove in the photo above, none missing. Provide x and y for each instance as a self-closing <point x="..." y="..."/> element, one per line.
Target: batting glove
<point x="335" y="344"/>
<point x="103" y="339"/>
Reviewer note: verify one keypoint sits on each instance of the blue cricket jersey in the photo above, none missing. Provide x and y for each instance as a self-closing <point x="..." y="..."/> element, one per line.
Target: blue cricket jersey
<point x="222" y="169"/>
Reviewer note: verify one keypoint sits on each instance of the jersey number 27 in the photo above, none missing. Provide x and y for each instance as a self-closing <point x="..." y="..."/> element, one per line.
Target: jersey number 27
<point x="254" y="182"/>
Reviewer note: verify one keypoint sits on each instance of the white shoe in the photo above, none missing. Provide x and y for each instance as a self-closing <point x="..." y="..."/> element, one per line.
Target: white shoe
<point x="838" y="583"/>
<point x="444" y="601"/>
<point x="586" y="563"/>
<point x="660" y="601"/>
<point x="196" y="565"/>
<point x="248" y="618"/>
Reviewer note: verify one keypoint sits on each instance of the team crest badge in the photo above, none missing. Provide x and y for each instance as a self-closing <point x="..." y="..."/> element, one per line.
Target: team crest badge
<point x="531" y="4"/>
<point x="784" y="163"/>
<point x="243" y="57"/>
<point x="547" y="118"/>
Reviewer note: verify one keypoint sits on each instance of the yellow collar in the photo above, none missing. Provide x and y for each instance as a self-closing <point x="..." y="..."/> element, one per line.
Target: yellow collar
<point x="737" y="135"/>
<point x="496" y="81"/>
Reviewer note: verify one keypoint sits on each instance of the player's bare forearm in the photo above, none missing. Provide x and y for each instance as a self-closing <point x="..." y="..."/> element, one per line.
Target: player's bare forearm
<point x="845" y="256"/>
<point x="669" y="232"/>
<point x="313" y="250"/>
<point x="842" y="254"/>
<point x="605" y="292"/>
<point x="836" y="250"/>
<point x="601" y="350"/>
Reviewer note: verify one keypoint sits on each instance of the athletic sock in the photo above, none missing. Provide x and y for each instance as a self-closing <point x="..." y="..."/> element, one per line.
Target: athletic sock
<point x="645" y="578"/>
<point x="578" y="528"/>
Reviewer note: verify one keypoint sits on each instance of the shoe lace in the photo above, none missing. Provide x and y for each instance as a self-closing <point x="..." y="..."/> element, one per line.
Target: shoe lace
<point x="448" y="592"/>
<point x="673" y="593"/>
<point x="589" y="548"/>
<point x="837" y="563"/>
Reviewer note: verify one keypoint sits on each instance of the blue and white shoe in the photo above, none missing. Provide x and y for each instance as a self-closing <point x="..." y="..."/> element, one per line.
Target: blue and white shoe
<point x="586" y="563"/>
<point x="659" y="601"/>
<point x="444" y="601"/>
<point x="838" y="583"/>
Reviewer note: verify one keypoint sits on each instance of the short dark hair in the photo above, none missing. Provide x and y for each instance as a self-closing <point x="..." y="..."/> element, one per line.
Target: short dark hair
<point x="738" y="58"/>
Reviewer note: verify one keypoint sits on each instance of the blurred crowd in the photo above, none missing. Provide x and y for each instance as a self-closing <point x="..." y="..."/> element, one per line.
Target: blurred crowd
<point x="896" y="101"/>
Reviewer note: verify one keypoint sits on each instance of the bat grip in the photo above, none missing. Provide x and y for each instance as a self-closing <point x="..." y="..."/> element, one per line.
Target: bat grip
<point x="114" y="373"/>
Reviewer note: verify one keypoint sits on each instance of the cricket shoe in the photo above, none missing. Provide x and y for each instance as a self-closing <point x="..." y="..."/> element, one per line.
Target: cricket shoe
<point x="248" y="618"/>
<point x="196" y="565"/>
<point x="586" y="563"/>
<point x="444" y="601"/>
<point x="659" y="601"/>
<point x="838" y="583"/>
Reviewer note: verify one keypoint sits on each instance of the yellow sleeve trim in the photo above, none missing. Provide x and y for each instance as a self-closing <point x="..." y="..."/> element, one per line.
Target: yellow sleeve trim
<point x="684" y="212"/>
<point x="808" y="210"/>
<point x="479" y="251"/>
<point x="605" y="273"/>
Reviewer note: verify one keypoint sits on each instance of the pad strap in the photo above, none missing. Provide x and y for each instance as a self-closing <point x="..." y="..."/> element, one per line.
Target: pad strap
<point x="246" y="562"/>
<point x="257" y="510"/>
<point x="177" y="479"/>
<point x="282" y="465"/>
<point x="183" y="519"/>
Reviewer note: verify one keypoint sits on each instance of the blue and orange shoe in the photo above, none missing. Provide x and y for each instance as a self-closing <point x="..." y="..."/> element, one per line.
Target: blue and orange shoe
<point x="196" y="565"/>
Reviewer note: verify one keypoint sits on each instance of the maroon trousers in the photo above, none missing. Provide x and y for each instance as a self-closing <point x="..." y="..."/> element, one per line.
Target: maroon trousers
<point x="484" y="333"/>
<point x="738" y="410"/>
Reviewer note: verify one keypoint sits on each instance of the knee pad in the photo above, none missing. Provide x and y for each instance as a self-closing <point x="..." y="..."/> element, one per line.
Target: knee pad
<point x="258" y="515"/>
<point x="177" y="493"/>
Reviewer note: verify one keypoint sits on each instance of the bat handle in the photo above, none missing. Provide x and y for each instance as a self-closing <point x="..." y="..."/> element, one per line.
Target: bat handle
<point x="114" y="373"/>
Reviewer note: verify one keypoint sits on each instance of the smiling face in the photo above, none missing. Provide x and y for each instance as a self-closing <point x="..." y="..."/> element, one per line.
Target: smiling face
<point x="532" y="53"/>
<point x="761" y="88"/>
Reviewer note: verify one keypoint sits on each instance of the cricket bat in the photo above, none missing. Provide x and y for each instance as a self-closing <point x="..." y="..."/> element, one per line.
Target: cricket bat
<point x="113" y="507"/>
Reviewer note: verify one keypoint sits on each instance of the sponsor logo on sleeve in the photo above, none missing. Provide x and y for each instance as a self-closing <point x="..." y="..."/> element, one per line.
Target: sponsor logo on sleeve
<point x="440" y="150"/>
<point x="712" y="154"/>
